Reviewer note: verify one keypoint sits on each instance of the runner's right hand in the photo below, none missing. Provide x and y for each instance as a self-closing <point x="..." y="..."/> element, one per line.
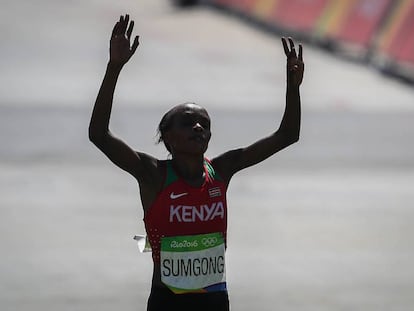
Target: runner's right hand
<point x="121" y="50"/>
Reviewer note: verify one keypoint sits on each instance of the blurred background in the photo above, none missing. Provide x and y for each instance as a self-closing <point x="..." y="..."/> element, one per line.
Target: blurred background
<point x="324" y="225"/>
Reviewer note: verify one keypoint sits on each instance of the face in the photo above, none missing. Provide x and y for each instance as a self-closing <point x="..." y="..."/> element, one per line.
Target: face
<point x="190" y="130"/>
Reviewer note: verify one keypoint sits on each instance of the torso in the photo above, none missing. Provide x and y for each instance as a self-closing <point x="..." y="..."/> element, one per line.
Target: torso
<point x="181" y="209"/>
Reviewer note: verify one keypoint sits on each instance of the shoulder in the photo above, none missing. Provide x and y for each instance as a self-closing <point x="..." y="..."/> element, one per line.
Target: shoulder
<point x="150" y="170"/>
<point x="225" y="164"/>
<point x="152" y="179"/>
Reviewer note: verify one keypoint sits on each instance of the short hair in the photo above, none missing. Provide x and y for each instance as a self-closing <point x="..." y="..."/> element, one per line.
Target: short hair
<point x="167" y="121"/>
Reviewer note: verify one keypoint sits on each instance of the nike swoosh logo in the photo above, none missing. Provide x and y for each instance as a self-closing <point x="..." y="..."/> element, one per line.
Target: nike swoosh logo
<point x="178" y="195"/>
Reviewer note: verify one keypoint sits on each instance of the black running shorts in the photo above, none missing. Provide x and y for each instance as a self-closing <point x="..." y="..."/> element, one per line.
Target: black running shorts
<point x="162" y="299"/>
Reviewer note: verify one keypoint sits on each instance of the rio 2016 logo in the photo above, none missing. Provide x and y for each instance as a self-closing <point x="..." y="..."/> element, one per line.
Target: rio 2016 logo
<point x="183" y="244"/>
<point x="209" y="242"/>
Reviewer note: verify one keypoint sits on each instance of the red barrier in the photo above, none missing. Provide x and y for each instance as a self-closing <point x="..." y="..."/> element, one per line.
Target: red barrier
<point x="332" y="18"/>
<point x="401" y="45"/>
<point x="355" y="22"/>
<point x="362" y="21"/>
<point x="263" y="9"/>
<point x="298" y="15"/>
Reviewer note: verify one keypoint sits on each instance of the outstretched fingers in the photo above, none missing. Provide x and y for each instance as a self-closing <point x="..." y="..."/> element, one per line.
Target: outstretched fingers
<point x="285" y="46"/>
<point x="289" y="49"/>
<point x="121" y="27"/>
<point x="135" y="45"/>
<point x="115" y="30"/>
<point x="300" y="56"/>
<point x="121" y="47"/>
<point x="292" y="47"/>
<point x="130" y="28"/>
<point x="124" y="23"/>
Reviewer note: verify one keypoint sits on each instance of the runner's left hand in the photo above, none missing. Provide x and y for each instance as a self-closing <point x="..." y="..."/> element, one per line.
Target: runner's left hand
<point x="295" y="65"/>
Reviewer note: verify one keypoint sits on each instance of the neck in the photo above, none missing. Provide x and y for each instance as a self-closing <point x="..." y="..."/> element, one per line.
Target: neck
<point x="191" y="168"/>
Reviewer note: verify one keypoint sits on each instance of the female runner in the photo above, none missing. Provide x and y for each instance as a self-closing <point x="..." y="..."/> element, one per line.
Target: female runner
<point x="184" y="198"/>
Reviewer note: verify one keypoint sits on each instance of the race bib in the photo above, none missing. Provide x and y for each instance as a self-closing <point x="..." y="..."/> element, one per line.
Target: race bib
<point x="193" y="263"/>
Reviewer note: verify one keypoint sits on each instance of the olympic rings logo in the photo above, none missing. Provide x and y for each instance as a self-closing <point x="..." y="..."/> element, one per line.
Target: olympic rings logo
<point x="208" y="242"/>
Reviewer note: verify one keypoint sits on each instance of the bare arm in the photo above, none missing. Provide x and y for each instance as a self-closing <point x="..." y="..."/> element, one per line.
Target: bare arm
<point x="138" y="164"/>
<point x="288" y="132"/>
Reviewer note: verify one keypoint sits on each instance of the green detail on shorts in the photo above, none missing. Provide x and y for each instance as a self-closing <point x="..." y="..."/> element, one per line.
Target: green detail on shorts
<point x="191" y="243"/>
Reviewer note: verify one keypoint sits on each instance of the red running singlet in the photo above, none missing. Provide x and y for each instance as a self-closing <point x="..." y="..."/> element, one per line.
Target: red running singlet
<point x="184" y="210"/>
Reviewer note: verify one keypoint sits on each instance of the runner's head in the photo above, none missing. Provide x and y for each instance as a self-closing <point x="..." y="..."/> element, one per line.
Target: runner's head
<point x="185" y="128"/>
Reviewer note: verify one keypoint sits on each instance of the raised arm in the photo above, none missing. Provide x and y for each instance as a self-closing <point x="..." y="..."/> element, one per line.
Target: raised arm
<point x="288" y="132"/>
<point x="117" y="151"/>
